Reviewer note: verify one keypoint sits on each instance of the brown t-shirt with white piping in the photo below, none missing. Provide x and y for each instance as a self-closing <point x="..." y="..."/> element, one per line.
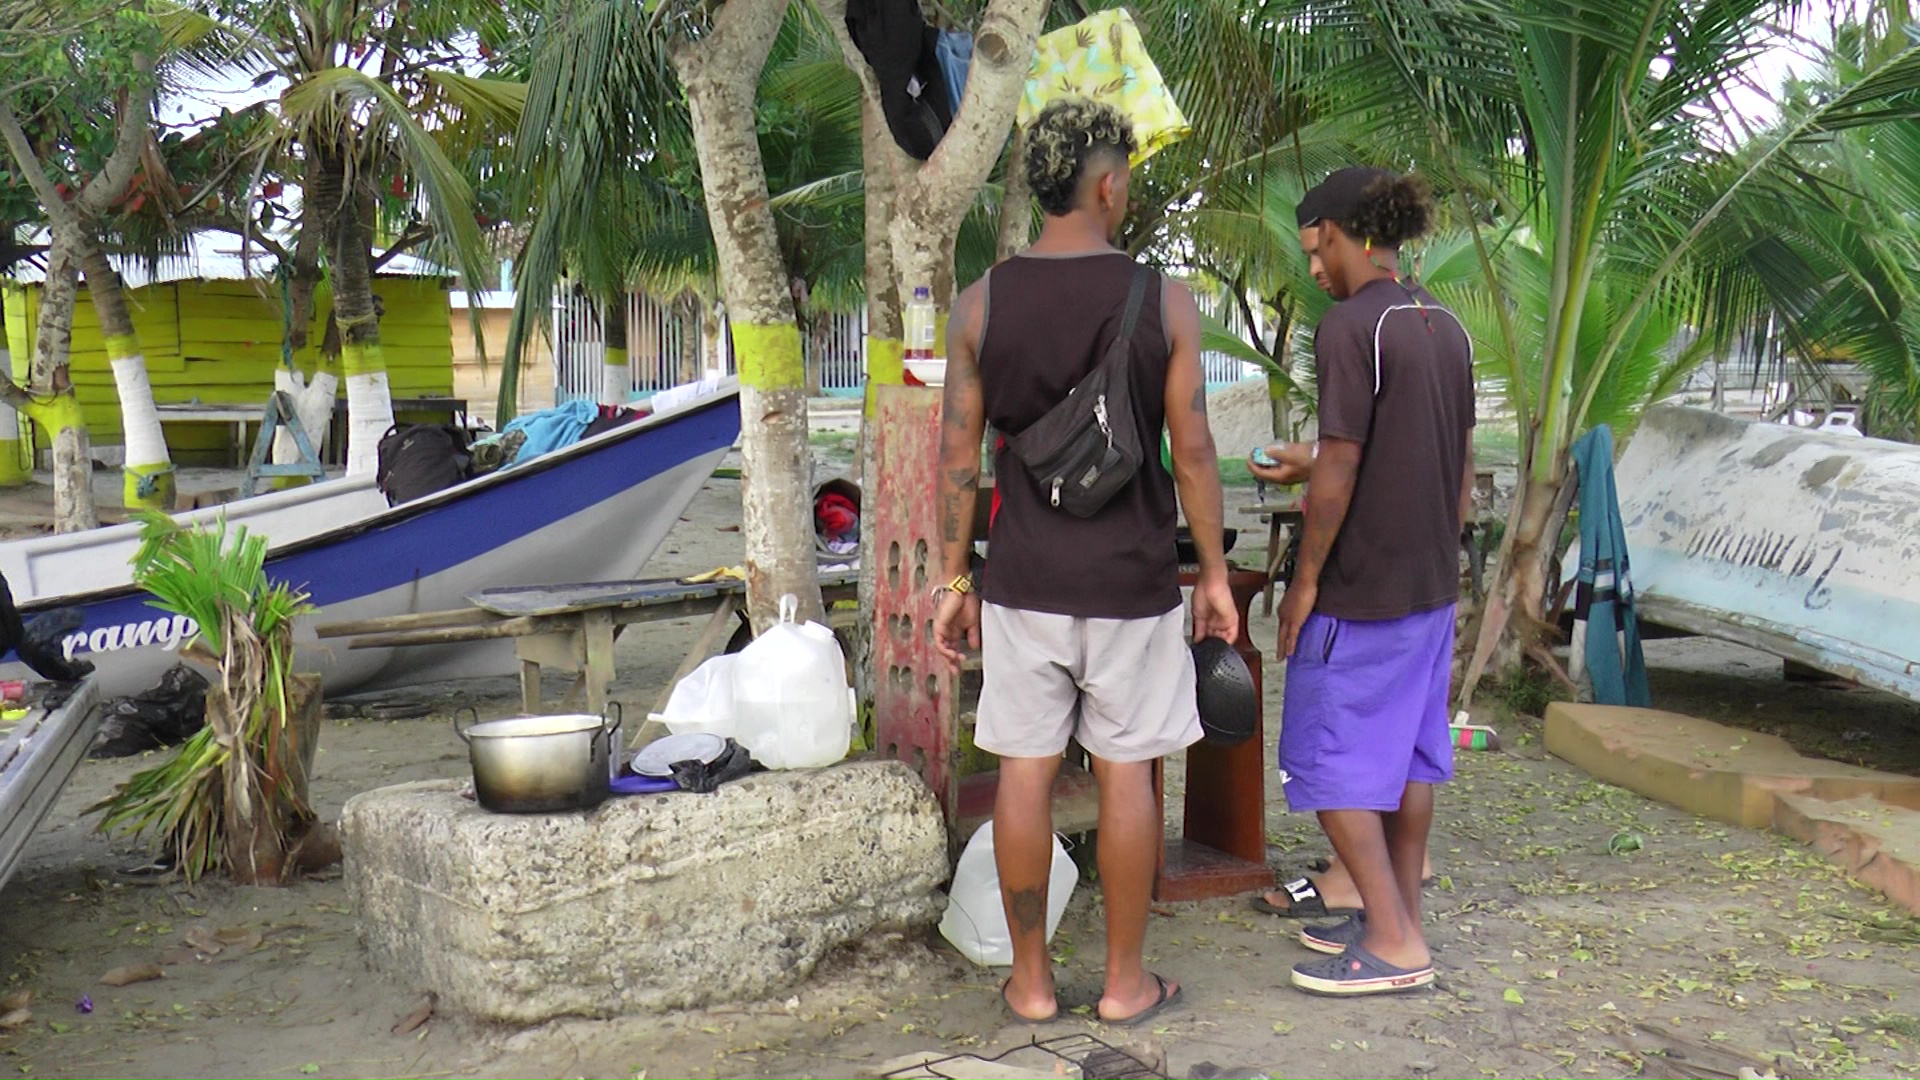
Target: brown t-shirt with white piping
<point x="1396" y="375"/>
<point x="1049" y="321"/>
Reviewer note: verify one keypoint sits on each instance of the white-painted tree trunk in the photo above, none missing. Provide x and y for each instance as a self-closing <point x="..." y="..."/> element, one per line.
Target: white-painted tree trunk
<point x="369" y="416"/>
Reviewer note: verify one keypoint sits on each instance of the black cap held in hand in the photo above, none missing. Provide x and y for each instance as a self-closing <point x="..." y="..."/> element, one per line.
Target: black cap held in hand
<point x="1340" y="196"/>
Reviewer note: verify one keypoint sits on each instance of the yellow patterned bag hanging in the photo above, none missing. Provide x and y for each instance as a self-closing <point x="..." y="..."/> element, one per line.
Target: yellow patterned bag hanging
<point x="1102" y="57"/>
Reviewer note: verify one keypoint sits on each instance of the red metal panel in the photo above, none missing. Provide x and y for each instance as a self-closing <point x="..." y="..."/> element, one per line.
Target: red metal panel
<point x="913" y="716"/>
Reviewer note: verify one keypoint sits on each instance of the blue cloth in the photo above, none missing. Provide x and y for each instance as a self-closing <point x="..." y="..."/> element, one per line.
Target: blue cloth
<point x="954" y="53"/>
<point x="1615" y="662"/>
<point x="551" y="429"/>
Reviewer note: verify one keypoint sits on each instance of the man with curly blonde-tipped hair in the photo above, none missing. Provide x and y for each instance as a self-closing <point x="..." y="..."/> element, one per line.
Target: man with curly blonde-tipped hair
<point x="1366" y="626"/>
<point x="1081" y="629"/>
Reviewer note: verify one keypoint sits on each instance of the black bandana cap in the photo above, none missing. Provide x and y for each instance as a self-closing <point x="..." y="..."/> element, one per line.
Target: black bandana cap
<point x="1338" y="197"/>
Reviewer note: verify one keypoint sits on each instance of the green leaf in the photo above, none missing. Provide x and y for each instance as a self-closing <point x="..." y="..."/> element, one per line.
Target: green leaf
<point x="310" y="1068"/>
<point x="1514" y="997"/>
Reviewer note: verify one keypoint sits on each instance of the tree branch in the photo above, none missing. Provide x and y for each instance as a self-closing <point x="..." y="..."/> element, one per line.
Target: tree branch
<point x="412" y="238"/>
<point x="16" y="138"/>
<point x="129" y="139"/>
<point x="1002" y="58"/>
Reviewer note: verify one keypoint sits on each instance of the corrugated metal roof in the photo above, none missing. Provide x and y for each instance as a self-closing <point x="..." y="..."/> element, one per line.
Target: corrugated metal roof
<point x="216" y="257"/>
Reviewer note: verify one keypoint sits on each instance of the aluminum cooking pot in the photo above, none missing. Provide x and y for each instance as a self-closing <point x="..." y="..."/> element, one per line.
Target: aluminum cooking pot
<point x="539" y="764"/>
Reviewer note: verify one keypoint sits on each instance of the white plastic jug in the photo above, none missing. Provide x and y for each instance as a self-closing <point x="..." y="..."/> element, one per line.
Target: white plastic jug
<point x="792" y="706"/>
<point x="976" y="921"/>
<point x="702" y="703"/>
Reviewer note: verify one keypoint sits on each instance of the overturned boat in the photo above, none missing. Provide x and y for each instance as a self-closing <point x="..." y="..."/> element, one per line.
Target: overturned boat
<point x="1802" y="544"/>
<point x="595" y="510"/>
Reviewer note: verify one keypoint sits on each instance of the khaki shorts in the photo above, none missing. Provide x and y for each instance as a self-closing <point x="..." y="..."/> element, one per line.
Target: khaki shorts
<point x="1123" y="688"/>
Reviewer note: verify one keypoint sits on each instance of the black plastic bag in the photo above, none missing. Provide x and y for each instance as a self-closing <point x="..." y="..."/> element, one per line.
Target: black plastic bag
<point x="42" y="642"/>
<point x="705" y="777"/>
<point x="166" y="715"/>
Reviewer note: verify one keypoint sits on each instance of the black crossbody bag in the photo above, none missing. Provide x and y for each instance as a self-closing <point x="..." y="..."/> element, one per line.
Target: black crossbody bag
<point x="1087" y="448"/>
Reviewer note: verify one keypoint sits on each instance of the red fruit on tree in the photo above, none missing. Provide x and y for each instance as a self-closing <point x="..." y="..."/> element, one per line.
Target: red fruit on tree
<point x="271" y="189"/>
<point x="399" y="186"/>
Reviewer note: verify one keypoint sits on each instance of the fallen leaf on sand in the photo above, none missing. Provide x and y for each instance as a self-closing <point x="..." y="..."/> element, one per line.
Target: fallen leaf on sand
<point x="204" y="941"/>
<point x="179" y="956"/>
<point x="1514" y="996"/>
<point x="133" y="973"/>
<point x="245" y="938"/>
<point x="16" y="1000"/>
<point x="413" y="1020"/>
<point x="17" y="1018"/>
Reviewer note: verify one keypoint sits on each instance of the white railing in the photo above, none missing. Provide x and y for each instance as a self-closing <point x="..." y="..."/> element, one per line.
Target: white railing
<point x="660" y="338"/>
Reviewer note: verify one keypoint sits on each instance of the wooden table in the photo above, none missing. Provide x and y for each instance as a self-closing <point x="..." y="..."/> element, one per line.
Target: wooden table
<point x="197" y="413"/>
<point x="1282" y="515"/>
<point x="573" y="627"/>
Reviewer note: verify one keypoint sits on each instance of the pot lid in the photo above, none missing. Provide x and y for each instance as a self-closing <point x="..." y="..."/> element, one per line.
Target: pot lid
<point x="562" y="724"/>
<point x="657" y="757"/>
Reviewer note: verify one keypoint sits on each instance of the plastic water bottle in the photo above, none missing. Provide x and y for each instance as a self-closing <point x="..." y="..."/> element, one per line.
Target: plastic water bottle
<point x="918" y="323"/>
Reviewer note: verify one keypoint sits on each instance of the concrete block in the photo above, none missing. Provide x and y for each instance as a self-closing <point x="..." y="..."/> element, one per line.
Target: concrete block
<point x="1877" y="843"/>
<point x="1706" y="768"/>
<point x="647" y="903"/>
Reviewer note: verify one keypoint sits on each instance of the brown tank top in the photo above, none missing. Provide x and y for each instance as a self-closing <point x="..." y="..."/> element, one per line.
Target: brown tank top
<point x="1049" y="320"/>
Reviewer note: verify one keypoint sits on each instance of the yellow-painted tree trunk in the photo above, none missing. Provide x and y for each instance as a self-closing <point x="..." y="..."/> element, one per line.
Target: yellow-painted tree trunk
<point x="721" y="73"/>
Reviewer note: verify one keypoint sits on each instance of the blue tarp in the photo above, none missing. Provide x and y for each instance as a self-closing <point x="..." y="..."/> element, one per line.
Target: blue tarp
<point x="1614" y="659"/>
<point x="551" y="429"/>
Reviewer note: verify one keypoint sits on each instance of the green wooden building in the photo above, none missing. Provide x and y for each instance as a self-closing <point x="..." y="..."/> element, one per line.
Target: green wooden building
<point x="211" y="327"/>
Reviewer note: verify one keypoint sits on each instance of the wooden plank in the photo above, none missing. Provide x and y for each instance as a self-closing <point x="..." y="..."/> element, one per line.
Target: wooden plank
<point x="420" y="620"/>
<point x="568" y="599"/>
<point x="505" y="628"/>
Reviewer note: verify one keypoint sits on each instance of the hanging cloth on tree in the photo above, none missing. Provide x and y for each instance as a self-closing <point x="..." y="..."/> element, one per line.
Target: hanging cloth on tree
<point x="1604" y="607"/>
<point x="1101" y="57"/>
<point x="904" y="54"/>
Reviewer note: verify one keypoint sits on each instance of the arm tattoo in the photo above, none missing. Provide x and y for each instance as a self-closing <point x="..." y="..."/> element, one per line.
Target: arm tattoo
<point x="1200" y="400"/>
<point x="964" y="479"/>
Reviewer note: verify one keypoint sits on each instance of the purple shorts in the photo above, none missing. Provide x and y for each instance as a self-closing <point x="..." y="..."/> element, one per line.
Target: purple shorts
<point x="1366" y="711"/>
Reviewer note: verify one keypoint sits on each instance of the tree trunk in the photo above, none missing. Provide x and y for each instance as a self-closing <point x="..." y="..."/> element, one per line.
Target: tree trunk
<point x="932" y="199"/>
<point x="55" y="408"/>
<point x="1016" y="202"/>
<point x="262" y="838"/>
<point x="1512" y="621"/>
<point x="616" y="377"/>
<point x="721" y="73"/>
<point x="347" y="217"/>
<point x="148" y="469"/>
<point x="691" y="329"/>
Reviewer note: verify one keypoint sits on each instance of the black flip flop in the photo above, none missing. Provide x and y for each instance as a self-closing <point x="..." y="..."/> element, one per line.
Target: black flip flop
<point x="1016" y="1014"/>
<point x="1307" y="903"/>
<point x="1168" y="996"/>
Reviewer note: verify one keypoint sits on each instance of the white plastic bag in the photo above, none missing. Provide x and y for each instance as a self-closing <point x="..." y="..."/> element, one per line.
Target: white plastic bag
<point x="976" y="921"/>
<point x="702" y="703"/>
<point x="792" y="706"/>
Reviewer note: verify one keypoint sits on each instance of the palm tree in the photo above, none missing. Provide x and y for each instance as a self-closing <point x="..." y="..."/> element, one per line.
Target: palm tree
<point x="377" y="111"/>
<point x="1595" y="125"/>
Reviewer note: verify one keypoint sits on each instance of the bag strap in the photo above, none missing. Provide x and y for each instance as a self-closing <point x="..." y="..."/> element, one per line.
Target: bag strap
<point x="1121" y="351"/>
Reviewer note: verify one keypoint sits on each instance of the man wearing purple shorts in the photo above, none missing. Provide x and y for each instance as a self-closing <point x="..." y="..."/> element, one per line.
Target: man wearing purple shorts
<point x="1367" y="622"/>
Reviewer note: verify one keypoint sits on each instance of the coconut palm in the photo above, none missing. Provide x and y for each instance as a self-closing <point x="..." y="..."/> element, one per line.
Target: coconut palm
<point x="377" y="111"/>
<point x="1599" y="126"/>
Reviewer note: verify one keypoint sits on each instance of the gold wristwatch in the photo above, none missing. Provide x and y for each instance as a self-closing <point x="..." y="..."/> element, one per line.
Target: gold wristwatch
<point x="960" y="586"/>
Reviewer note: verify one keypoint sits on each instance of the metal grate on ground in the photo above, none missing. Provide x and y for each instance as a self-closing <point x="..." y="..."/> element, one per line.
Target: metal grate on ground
<point x="1082" y="1055"/>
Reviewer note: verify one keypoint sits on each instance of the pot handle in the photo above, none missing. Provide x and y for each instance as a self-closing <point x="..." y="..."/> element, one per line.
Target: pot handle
<point x="610" y="720"/>
<point x="471" y="711"/>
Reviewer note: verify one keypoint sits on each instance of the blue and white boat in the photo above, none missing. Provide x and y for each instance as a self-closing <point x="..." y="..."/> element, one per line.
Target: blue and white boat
<point x="595" y="510"/>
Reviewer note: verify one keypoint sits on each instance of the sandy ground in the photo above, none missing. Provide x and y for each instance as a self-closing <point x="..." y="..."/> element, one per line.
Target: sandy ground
<point x="1558" y="958"/>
